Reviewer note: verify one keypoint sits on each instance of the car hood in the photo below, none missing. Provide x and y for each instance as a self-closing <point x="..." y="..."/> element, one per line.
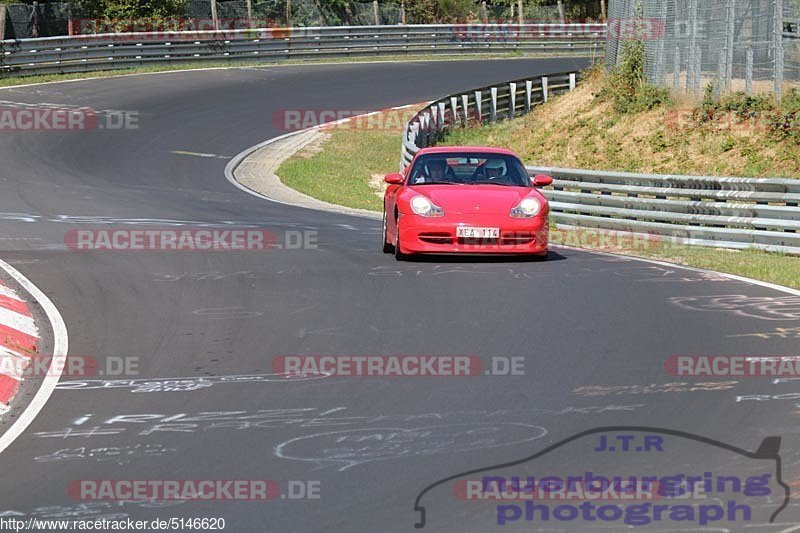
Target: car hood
<point x="488" y="199"/>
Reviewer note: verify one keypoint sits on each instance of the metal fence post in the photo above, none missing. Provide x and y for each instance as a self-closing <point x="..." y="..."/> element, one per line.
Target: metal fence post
<point x="659" y="72"/>
<point x="34" y="20"/>
<point x="573" y="82"/>
<point x="3" y="15"/>
<point x="544" y="88"/>
<point x="676" y="67"/>
<point x="465" y="108"/>
<point x="414" y="133"/>
<point x="377" y="12"/>
<point x="479" y="106"/>
<point x="693" y="51"/>
<point x="214" y="18"/>
<point x="493" y="105"/>
<point x="426" y="127"/>
<point x="528" y="91"/>
<point x="697" y="71"/>
<point x="454" y="109"/>
<point x="434" y="121"/>
<point x="512" y="99"/>
<point x="748" y="72"/>
<point x="719" y="86"/>
<point x="729" y="42"/>
<point x="778" y="48"/>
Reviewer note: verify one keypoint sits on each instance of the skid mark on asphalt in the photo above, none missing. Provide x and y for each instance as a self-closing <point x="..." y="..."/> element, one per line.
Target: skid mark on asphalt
<point x="654" y="388"/>
<point x="226" y="313"/>
<point x="778" y="333"/>
<point x="760" y="307"/>
<point x="199" y="154"/>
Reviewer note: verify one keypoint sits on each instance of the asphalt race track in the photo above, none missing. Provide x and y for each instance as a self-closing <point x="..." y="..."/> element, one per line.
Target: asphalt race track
<point x="594" y="330"/>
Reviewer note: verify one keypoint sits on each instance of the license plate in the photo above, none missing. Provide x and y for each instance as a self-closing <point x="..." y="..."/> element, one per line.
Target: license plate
<point x="469" y="232"/>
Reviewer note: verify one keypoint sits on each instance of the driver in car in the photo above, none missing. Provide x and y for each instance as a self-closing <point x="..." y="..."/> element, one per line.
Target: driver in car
<point x="495" y="169"/>
<point x="435" y="170"/>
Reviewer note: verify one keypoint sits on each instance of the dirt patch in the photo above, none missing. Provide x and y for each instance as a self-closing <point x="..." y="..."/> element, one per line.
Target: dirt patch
<point x="314" y="147"/>
<point x="376" y="182"/>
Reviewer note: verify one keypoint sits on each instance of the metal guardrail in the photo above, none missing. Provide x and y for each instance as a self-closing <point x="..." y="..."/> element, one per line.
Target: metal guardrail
<point x="86" y="53"/>
<point x="486" y="104"/>
<point x="722" y="212"/>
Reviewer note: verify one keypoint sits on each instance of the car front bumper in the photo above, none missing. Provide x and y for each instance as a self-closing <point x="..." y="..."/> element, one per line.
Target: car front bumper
<point x="438" y="235"/>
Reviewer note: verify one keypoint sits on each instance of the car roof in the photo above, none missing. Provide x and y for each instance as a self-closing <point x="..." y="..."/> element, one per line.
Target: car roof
<point x="466" y="149"/>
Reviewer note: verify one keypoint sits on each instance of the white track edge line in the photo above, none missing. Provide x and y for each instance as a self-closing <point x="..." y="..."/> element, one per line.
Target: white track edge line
<point x="735" y="277"/>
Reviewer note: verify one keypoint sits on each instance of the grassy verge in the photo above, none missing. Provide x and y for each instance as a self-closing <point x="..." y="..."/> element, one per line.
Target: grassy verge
<point x="348" y="168"/>
<point x="11" y="81"/>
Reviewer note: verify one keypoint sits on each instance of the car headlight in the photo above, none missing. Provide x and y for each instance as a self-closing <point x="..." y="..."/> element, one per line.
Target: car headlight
<point x="527" y="208"/>
<point x="425" y="208"/>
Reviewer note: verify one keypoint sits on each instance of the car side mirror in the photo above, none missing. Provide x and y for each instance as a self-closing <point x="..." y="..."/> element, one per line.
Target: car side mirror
<point x="542" y="180"/>
<point x="394" y="179"/>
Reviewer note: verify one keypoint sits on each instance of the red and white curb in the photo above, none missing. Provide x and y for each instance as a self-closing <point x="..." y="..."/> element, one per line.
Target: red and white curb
<point x="19" y="337"/>
<point x="19" y="342"/>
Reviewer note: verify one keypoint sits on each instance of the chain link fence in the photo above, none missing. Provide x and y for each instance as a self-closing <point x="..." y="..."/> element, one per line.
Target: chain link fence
<point x="736" y="45"/>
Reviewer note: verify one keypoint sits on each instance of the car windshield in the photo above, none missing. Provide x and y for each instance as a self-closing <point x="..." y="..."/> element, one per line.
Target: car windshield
<point x="469" y="169"/>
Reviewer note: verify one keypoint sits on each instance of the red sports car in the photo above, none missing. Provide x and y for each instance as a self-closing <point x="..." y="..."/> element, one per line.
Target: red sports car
<point x="460" y="199"/>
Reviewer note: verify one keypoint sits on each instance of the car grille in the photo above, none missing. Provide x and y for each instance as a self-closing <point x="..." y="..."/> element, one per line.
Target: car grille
<point x="506" y="239"/>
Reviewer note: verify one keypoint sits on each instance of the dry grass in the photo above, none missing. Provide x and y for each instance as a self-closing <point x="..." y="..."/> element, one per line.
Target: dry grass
<point x="582" y="131"/>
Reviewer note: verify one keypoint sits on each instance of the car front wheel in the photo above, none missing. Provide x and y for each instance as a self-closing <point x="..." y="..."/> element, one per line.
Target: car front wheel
<point x="387" y="247"/>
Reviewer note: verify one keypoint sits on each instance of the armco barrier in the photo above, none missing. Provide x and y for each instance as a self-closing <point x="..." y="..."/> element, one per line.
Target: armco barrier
<point x="486" y="104"/>
<point x="86" y="53"/>
<point x="699" y="210"/>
